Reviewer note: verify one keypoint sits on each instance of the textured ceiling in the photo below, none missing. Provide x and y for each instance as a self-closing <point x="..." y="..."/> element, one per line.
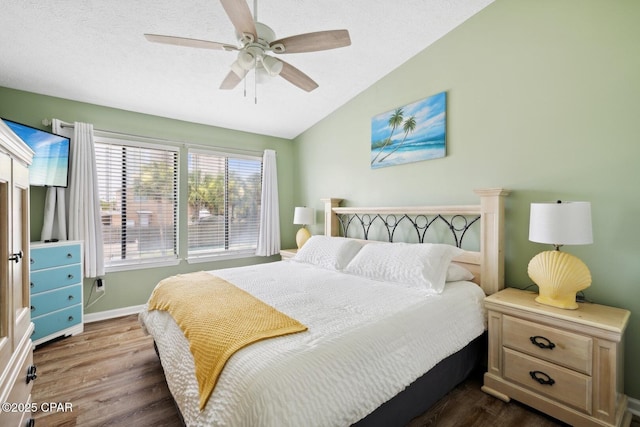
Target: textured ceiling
<point x="94" y="51"/>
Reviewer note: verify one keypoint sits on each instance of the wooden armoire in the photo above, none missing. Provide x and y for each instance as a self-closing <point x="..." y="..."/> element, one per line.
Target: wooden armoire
<point x="16" y="352"/>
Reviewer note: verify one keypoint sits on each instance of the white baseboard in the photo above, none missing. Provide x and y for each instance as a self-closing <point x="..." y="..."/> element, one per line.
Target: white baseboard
<point x="634" y="406"/>
<point x="112" y="314"/>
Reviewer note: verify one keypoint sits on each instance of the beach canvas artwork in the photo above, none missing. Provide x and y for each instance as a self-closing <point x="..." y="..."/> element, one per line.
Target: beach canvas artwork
<point x="409" y="134"/>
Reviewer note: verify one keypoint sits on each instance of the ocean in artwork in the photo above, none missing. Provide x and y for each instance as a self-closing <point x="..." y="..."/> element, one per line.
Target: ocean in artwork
<point x="412" y="133"/>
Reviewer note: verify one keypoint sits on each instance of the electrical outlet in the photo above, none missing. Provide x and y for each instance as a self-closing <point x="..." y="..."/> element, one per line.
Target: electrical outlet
<point x="99" y="285"/>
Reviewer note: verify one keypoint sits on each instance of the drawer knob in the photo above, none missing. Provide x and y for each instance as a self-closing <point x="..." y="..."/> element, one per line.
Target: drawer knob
<point x="70" y="276"/>
<point x="32" y="261"/>
<point x="542" y="378"/>
<point x="33" y="308"/>
<point x="70" y="318"/>
<point x="69" y="255"/>
<point x="70" y="297"/>
<point x="31" y="373"/>
<point x="542" y="342"/>
<point x="31" y="284"/>
<point x="31" y="422"/>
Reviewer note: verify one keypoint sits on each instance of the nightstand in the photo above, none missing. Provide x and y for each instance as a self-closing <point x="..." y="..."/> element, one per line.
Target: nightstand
<point x="566" y="363"/>
<point x="288" y="253"/>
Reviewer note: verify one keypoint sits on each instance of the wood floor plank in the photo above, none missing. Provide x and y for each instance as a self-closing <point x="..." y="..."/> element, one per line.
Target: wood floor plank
<point x="111" y="375"/>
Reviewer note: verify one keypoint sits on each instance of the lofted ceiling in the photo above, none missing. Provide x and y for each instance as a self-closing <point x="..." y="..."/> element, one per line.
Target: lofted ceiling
<point x="94" y="51"/>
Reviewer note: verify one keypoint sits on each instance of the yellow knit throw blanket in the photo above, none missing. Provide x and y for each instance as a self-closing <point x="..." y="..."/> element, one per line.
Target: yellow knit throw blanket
<point x="217" y="319"/>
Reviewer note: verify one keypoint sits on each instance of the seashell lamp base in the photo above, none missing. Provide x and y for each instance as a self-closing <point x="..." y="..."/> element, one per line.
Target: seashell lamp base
<point x="559" y="276"/>
<point x="302" y="236"/>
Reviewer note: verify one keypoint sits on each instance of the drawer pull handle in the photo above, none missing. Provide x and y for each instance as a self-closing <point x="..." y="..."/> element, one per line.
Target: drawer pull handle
<point x="542" y="378"/>
<point x="31" y="373"/>
<point x="542" y="342"/>
<point x="31" y="284"/>
<point x="69" y="255"/>
<point x="33" y="308"/>
<point x="31" y="422"/>
<point x="70" y="297"/>
<point x="70" y="318"/>
<point x="70" y="276"/>
<point x="32" y="261"/>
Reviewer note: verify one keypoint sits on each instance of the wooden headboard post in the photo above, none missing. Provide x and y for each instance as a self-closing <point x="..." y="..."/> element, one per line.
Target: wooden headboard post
<point x="488" y="263"/>
<point x="331" y="223"/>
<point x="492" y="238"/>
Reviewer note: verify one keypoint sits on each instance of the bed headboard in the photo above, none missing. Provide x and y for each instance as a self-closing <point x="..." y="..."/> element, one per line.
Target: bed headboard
<point x="487" y="263"/>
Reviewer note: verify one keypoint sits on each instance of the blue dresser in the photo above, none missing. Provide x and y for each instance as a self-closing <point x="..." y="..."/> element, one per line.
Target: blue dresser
<point x="56" y="290"/>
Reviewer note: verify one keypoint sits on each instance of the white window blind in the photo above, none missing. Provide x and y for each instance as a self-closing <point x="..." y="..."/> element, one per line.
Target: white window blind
<point x="224" y="203"/>
<point x="139" y="200"/>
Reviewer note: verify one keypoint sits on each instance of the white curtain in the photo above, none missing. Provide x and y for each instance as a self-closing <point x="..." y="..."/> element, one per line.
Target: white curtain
<point x="84" y="200"/>
<point x="54" y="225"/>
<point x="269" y="235"/>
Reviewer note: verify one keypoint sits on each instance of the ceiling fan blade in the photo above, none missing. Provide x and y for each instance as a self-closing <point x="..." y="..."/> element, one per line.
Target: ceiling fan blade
<point x="312" y="42"/>
<point x="240" y="16"/>
<point x="182" y="41"/>
<point x="297" y="77"/>
<point x="231" y="80"/>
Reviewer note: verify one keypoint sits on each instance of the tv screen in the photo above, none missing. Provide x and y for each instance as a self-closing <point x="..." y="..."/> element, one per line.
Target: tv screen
<point x="50" y="165"/>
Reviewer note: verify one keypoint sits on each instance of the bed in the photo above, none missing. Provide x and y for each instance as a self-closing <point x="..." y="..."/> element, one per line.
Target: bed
<point x="389" y="327"/>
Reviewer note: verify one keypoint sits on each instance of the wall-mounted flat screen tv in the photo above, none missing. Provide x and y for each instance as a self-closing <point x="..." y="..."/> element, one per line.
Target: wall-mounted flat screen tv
<point x="50" y="167"/>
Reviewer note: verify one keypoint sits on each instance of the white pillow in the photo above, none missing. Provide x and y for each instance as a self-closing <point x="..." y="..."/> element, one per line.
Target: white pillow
<point x="333" y="253"/>
<point x="420" y="264"/>
<point x="456" y="273"/>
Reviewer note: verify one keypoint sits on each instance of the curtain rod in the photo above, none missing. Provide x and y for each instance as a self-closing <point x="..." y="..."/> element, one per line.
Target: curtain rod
<point x="47" y="122"/>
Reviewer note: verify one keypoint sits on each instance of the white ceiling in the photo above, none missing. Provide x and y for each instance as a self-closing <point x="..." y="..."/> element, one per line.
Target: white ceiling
<point x="94" y="51"/>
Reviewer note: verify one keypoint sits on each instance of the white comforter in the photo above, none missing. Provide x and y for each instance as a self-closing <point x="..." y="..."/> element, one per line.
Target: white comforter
<point x="366" y="342"/>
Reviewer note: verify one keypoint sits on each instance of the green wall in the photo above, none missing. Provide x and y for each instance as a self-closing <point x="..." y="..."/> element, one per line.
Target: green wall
<point x="543" y="99"/>
<point x="133" y="287"/>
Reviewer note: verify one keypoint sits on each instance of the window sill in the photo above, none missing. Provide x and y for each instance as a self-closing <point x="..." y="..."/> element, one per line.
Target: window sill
<point x="172" y="262"/>
<point x="221" y="257"/>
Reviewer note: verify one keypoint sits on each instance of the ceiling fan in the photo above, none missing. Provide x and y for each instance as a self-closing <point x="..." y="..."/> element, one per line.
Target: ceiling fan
<point x="256" y="41"/>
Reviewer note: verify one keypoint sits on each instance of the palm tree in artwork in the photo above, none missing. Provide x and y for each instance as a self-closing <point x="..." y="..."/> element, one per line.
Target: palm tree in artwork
<point x="394" y="121"/>
<point x="408" y="127"/>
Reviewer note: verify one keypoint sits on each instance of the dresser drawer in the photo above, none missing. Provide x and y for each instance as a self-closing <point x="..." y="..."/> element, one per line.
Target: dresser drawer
<point x="54" y="256"/>
<point x="568" y="387"/>
<point x="56" y="321"/>
<point x="560" y="347"/>
<point x="53" y="278"/>
<point x="46" y="302"/>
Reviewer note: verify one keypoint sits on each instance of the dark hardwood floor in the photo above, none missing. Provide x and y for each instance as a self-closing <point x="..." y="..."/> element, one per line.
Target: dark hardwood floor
<point x="110" y="376"/>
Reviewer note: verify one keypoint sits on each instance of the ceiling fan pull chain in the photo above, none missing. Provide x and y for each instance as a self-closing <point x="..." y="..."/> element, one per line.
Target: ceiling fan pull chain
<point x="255" y="86"/>
<point x="244" y="84"/>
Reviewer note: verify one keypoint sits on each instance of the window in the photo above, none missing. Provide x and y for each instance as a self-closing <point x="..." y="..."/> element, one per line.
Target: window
<point x="139" y="201"/>
<point x="224" y="203"/>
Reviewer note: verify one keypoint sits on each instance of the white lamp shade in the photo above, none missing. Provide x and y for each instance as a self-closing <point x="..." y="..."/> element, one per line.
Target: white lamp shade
<point x="304" y="216"/>
<point x="566" y="223"/>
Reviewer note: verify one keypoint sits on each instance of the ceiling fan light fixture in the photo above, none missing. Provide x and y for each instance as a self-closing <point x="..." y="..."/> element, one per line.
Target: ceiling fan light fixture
<point x="246" y="60"/>
<point x="272" y="65"/>
<point x="238" y="69"/>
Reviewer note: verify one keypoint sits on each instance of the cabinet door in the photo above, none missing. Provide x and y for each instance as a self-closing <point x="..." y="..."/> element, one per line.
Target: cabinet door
<point x="20" y="245"/>
<point x="6" y="345"/>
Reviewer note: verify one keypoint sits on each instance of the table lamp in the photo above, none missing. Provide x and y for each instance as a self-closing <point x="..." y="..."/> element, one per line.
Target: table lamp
<point x="560" y="275"/>
<point x="303" y="216"/>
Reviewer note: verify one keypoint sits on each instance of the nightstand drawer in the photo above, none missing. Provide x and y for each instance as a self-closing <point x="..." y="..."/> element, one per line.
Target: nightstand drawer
<point x="551" y="344"/>
<point x="54" y="256"/>
<point x="53" y="278"/>
<point x="568" y="387"/>
<point x="56" y="321"/>
<point x="47" y="302"/>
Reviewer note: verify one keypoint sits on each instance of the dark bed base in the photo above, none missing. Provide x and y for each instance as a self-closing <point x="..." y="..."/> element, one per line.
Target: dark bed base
<point x="420" y="395"/>
<point x="429" y="388"/>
